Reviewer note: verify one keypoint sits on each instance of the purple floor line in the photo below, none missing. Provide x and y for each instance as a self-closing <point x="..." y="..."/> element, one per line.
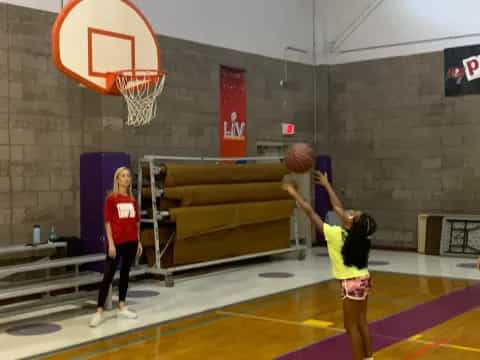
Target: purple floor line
<point x="397" y="327"/>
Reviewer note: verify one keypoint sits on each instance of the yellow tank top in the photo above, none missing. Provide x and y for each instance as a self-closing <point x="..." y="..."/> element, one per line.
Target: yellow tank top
<point x="335" y="236"/>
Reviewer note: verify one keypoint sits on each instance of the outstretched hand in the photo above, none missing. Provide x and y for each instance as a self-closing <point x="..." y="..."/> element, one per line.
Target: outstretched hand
<point x="290" y="186"/>
<point x="320" y="178"/>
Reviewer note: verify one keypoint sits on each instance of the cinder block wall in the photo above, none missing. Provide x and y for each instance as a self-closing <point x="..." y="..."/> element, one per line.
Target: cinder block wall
<point x="399" y="146"/>
<point x="47" y="121"/>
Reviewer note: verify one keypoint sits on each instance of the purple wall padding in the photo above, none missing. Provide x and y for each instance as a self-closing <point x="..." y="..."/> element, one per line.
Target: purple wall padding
<point x="96" y="176"/>
<point x="322" y="202"/>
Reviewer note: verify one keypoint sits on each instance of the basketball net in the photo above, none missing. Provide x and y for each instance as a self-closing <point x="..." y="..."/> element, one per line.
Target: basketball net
<point x="140" y="89"/>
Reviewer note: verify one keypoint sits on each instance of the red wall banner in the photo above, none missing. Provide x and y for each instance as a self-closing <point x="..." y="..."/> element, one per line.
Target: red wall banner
<point x="233" y="113"/>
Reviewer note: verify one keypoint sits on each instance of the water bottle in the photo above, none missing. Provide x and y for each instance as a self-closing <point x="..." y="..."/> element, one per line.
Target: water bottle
<point x="53" y="235"/>
<point x="36" y="235"/>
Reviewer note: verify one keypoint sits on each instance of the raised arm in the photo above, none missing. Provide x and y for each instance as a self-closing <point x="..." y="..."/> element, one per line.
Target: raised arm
<point x="322" y="179"/>
<point x="304" y="205"/>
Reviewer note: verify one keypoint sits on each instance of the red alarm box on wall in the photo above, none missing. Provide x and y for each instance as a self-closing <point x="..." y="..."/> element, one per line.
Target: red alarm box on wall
<point x="288" y="129"/>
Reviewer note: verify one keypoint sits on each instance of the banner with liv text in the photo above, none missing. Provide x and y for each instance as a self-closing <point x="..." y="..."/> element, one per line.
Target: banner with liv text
<point x="462" y="70"/>
<point x="233" y="113"/>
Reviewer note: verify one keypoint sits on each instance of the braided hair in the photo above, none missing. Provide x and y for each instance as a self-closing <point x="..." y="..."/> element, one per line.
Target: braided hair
<point x="356" y="247"/>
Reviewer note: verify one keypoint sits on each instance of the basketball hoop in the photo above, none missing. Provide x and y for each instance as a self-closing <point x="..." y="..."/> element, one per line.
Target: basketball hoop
<point x="140" y="89"/>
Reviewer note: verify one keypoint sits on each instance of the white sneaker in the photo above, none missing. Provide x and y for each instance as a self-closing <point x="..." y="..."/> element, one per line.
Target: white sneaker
<point x="126" y="313"/>
<point x="97" y="319"/>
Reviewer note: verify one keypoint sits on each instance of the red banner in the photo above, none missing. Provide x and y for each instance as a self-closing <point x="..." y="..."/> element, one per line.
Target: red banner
<point x="233" y="113"/>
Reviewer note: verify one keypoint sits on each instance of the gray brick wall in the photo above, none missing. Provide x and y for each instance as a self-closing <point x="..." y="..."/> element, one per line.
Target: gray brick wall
<point x="322" y="96"/>
<point x="47" y="121"/>
<point x="399" y="146"/>
<point x="187" y="122"/>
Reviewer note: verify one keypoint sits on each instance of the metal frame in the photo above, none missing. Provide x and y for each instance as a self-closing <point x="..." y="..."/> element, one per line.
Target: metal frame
<point x="445" y="236"/>
<point x="461" y="234"/>
<point x="48" y="284"/>
<point x="357" y="22"/>
<point x="158" y="216"/>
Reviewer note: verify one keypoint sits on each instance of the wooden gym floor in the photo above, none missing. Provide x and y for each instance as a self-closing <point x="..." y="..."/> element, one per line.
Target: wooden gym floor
<point x="411" y="317"/>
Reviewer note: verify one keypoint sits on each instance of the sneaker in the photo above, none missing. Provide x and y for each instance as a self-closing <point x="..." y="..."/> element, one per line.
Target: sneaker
<point x="126" y="313"/>
<point x="96" y="320"/>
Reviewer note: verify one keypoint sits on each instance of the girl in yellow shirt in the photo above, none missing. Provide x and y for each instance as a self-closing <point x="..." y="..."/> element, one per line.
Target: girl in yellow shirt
<point x="348" y="249"/>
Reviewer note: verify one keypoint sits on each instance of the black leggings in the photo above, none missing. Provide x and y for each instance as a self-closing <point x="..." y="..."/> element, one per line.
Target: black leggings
<point x="127" y="251"/>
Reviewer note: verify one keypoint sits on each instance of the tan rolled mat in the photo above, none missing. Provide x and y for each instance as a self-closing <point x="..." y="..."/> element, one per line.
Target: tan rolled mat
<point x="147" y="236"/>
<point x="247" y="239"/>
<point x="188" y="174"/>
<point x="197" y="195"/>
<point x="201" y="220"/>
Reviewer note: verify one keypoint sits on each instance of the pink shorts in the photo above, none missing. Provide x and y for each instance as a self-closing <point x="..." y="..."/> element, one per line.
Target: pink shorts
<point x="356" y="288"/>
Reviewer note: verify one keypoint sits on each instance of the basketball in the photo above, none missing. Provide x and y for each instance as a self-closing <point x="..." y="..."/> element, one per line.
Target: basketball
<point x="299" y="158"/>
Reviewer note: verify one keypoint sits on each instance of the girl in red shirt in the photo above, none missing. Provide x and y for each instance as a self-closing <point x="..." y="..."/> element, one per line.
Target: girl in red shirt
<point x="122" y="228"/>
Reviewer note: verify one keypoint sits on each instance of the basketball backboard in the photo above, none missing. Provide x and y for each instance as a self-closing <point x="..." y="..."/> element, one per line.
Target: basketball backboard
<point x="93" y="39"/>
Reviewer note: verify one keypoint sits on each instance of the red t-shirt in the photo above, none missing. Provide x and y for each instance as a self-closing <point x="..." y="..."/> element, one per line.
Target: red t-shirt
<point x="121" y="211"/>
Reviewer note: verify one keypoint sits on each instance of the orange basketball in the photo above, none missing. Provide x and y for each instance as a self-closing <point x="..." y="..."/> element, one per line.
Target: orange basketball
<point x="299" y="158"/>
